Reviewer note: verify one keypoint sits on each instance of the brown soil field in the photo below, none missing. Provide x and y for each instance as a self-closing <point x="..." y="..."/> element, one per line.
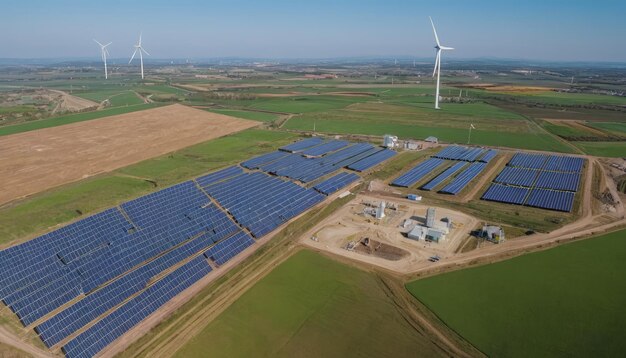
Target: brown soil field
<point x="35" y="161"/>
<point x="507" y="88"/>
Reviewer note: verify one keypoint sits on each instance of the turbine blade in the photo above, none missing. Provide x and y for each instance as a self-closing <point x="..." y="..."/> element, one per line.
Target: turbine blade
<point x="107" y="44"/>
<point x="140" y="39"/>
<point x="437" y="59"/>
<point x="144" y="51"/>
<point x="447" y="48"/>
<point x="133" y="56"/>
<point x="98" y="42"/>
<point x="434" y="31"/>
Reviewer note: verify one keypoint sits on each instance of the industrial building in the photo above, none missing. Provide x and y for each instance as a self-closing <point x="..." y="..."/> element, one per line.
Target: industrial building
<point x="433" y="230"/>
<point x="493" y="233"/>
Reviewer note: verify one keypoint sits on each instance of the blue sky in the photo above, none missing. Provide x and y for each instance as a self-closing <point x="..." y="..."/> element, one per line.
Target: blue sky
<point x="545" y="30"/>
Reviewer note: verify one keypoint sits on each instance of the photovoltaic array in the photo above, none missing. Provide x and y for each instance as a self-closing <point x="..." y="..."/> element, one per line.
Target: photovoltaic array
<point x="84" y="285"/>
<point x="336" y="182"/>
<point x="542" y="181"/>
<point x="462" y="165"/>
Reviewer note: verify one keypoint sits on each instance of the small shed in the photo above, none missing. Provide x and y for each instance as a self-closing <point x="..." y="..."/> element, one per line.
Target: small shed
<point x="432" y="139"/>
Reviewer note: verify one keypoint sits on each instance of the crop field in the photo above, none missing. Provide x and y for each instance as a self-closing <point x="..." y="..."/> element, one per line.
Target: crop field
<point x="611" y="127"/>
<point x="311" y="306"/>
<point x="89" y="196"/>
<point x="72" y="118"/>
<point x="604" y="149"/>
<point x="563" y="302"/>
<point x="255" y="116"/>
<point x="493" y="125"/>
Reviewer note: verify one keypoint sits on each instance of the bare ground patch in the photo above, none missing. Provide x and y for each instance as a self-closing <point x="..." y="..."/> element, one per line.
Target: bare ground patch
<point x="39" y="160"/>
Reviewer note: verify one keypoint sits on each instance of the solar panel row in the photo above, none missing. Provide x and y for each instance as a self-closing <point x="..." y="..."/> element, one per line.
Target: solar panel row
<point x="302" y="144"/>
<point x="443" y="176"/>
<point x="558" y="181"/>
<point x="229" y="248"/>
<point x="551" y="199"/>
<point x="565" y="164"/>
<point x="526" y="160"/>
<point x="335" y="183"/>
<point x="464" y="178"/>
<point x="418" y="172"/>
<point x="219" y="175"/>
<point x="325" y="148"/>
<point x="372" y="160"/>
<point x="312" y="169"/>
<point x="506" y="194"/>
<point x="490" y="154"/>
<point x="256" y="162"/>
<point x="262" y="203"/>
<point x="93" y="305"/>
<point x="455" y="152"/>
<point x="105" y="331"/>
<point x="517" y="176"/>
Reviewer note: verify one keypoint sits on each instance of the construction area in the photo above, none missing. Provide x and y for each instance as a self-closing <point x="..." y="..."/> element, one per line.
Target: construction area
<point x="399" y="235"/>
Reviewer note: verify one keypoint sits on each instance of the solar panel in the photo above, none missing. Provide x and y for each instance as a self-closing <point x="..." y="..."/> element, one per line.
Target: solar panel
<point x="551" y="199"/>
<point x="219" y="175"/>
<point x="372" y="160"/>
<point x="336" y="182"/>
<point x="464" y="178"/>
<point x="525" y="160"/>
<point x="558" y="181"/>
<point x="517" y="176"/>
<point x="303" y="144"/>
<point x="490" y="154"/>
<point x="325" y="148"/>
<point x="443" y="176"/>
<point x="225" y="250"/>
<point x="255" y="162"/>
<point x="418" y="172"/>
<point x="506" y="194"/>
<point x="111" y="327"/>
<point x="456" y="152"/>
<point x="565" y="164"/>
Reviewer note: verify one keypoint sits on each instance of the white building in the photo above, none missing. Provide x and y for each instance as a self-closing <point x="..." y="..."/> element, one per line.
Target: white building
<point x="390" y="141"/>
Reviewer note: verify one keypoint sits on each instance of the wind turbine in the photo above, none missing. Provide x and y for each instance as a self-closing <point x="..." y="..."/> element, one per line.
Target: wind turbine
<point x="141" y="51"/>
<point x="437" y="69"/>
<point x="105" y="53"/>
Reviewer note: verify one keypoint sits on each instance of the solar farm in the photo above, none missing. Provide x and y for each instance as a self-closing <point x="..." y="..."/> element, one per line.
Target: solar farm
<point x="463" y="164"/>
<point x="86" y="284"/>
<point x="541" y="181"/>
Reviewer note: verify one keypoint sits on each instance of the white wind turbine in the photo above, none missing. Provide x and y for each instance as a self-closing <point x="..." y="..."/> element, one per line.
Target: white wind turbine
<point x="141" y="51"/>
<point x="437" y="69"/>
<point x="105" y="53"/>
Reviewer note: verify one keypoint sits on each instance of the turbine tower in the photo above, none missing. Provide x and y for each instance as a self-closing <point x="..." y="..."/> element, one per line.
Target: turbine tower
<point x="141" y="51"/>
<point x="437" y="69"/>
<point x="105" y="53"/>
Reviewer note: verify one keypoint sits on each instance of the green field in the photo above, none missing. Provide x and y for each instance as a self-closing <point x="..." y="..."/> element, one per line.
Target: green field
<point x="604" y="149"/>
<point x="611" y="127"/>
<point x="71" y="118"/>
<point x="494" y="126"/>
<point x="568" y="301"/>
<point x="89" y="196"/>
<point x="311" y="306"/>
<point x="255" y="116"/>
